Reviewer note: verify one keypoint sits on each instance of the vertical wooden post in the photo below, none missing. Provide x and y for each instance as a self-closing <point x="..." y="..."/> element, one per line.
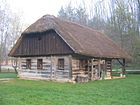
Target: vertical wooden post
<point x="104" y="69"/>
<point x="91" y="69"/>
<point x="88" y="70"/>
<point x="70" y="67"/>
<point x="99" y="67"/>
<point x="111" y="68"/>
<point x="55" y="69"/>
<point x="123" y="68"/>
<point x="19" y="64"/>
<point x="51" y="69"/>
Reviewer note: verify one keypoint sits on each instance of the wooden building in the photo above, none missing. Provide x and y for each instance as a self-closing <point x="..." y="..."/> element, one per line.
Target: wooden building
<point x="55" y="49"/>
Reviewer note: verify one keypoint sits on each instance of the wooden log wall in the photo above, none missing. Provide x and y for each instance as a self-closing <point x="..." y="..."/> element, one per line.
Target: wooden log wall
<point x="93" y="69"/>
<point x="78" y="69"/>
<point x="50" y="67"/>
<point x="67" y="69"/>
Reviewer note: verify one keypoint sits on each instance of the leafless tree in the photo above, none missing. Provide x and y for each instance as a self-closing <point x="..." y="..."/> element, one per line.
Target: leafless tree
<point x="10" y="29"/>
<point x="119" y="19"/>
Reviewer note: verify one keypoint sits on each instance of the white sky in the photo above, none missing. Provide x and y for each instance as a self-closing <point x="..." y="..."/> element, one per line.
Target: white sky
<point x="34" y="9"/>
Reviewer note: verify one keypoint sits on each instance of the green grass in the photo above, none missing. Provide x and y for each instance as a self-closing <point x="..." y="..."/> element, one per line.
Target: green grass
<point x="8" y="75"/>
<point x="105" y="92"/>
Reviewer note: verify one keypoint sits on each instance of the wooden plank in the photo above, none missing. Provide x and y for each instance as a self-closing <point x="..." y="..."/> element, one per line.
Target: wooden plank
<point x="99" y="67"/>
<point x="51" y="67"/>
<point x="92" y="69"/>
<point x="123" y="68"/>
<point x="88" y="70"/>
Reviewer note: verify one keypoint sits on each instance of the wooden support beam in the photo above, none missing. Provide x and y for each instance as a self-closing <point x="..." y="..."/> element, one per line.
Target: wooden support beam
<point x="91" y="69"/>
<point x="99" y="67"/>
<point x="104" y="70"/>
<point x="121" y="63"/>
<point x="111" y="68"/>
<point x="51" y="68"/>
<point x="123" y="68"/>
<point x="70" y="67"/>
<point x="88" y="68"/>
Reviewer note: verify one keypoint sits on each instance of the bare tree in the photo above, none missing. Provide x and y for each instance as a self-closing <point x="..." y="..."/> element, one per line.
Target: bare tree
<point x="73" y="14"/>
<point x="119" y="19"/>
<point x="10" y="29"/>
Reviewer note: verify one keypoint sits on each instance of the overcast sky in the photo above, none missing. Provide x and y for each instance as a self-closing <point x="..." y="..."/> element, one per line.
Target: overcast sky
<point x="34" y="9"/>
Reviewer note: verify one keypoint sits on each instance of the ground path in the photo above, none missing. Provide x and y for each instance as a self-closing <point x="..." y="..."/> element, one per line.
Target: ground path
<point x="6" y="79"/>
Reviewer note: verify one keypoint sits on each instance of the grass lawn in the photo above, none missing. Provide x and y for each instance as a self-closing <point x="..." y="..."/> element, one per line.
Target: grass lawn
<point x="106" y="92"/>
<point x="8" y="75"/>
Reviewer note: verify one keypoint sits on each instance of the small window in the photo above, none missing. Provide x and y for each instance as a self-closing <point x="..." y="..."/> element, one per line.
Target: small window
<point x="28" y="63"/>
<point x="39" y="64"/>
<point x="61" y="64"/>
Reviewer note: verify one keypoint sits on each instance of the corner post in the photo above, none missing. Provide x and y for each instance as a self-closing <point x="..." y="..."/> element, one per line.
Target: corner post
<point x="89" y="77"/>
<point x="123" y="68"/>
<point x="99" y="67"/>
<point x="92" y="69"/>
<point x="51" y="68"/>
<point x="111" y="69"/>
<point x="70" y="67"/>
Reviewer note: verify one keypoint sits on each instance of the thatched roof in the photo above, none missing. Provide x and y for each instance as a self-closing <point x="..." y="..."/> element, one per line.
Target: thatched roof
<point x="83" y="40"/>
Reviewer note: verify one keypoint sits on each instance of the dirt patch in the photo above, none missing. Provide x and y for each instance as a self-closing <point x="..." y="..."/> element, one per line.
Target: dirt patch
<point x="6" y="79"/>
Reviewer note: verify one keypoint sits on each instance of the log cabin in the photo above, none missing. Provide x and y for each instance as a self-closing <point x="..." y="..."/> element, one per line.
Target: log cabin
<point x="56" y="49"/>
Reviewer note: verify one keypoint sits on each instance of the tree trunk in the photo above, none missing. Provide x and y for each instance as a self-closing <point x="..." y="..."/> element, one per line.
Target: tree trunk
<point x="15" y="65"/>
<point x="15" y="70"/>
